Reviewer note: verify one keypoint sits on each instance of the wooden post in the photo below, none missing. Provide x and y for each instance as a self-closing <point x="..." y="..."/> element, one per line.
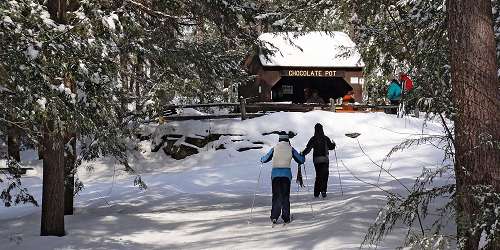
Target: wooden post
<point x="332" y="105"/>
<point x="243" y="103"/>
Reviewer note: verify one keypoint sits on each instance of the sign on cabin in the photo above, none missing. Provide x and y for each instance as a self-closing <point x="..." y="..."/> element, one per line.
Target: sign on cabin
<point x="312" y="73"/>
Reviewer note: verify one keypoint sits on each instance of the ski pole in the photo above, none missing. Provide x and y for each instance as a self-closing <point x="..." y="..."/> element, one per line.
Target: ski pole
<point x="255" y="194"/>
<point x="297" y="193"/>
<point x="338" y="171"/>
<point x="308" y="190"/>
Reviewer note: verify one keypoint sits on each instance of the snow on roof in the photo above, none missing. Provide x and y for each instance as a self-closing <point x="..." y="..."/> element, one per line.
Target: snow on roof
<point x="310" y="49"/>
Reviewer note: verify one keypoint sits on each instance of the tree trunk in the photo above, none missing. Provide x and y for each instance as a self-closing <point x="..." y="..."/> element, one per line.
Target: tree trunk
<point x="69" y="167"/>
<point x="13" y="145"/>
<point x="53" y="183"/>
<point x="132" y="75"/>
<point x="57" y="10"/>
<point x="139" y="80"/>
<point x="124" y="77"/>
<point x="476" y="96"/>
<point x="52" y="143"/>
<point x="40" y="150"/>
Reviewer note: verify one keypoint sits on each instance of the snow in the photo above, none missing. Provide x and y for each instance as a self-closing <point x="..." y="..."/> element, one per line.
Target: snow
<point x="203" y="201"/>
<point x="4" y="89"/>
<point x="266" y="15"/>
<point x="7" y="19"/>
<point x="80" y="93"/>
<point x="45" y="16"/>
<point x="31" y="52"/>
<point x="42" y="101"/>
<point x="83" y="68"/>
<point x="189" y="112"/>
<point x="109" y="21"/>
<point x="280" y="22"/>
<point x="311" y="49"/>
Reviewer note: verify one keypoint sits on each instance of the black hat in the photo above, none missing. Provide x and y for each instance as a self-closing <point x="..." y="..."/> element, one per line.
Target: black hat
<point x="283" y="136"/>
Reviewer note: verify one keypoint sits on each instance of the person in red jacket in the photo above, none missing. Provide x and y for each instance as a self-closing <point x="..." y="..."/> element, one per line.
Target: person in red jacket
<point x="406" y="81"/>
<point x="407" y="85"/>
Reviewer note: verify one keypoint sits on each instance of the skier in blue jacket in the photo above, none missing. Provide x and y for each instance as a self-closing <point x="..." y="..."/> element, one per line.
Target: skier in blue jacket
<point x="281" y="175"/>
<point x="394" y="94"/>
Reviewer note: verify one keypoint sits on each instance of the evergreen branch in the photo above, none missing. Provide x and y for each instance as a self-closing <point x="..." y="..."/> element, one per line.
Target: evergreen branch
<point x="395" y="195"/>
<point x="23" y="195"/>
<point x="154" y="12"/>
<point x="413" y="142"/>
<point x="17" y="124"/>
<point x="395" y="178"/>
<point x="448" y="131"/>
<point x="30" y="133"/>
<point x="381" y="167"/>
<point x="405" y="43"/>
<point x="402" y="133"/>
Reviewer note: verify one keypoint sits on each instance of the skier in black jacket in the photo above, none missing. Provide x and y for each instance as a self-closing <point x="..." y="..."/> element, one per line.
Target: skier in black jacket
<point x="321" y="144"/>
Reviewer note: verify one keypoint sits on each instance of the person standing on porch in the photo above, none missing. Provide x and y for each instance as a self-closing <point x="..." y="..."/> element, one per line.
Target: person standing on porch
<point x="315" y="98"/>
<point x="394" y="95"/>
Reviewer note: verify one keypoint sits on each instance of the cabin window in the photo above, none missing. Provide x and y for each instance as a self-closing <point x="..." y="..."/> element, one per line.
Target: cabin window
<point x="355" y="80"/>
<point x="288" y="89"/>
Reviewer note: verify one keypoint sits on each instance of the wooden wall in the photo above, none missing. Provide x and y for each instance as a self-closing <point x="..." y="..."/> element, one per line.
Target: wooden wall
<point x="267" y="78"/>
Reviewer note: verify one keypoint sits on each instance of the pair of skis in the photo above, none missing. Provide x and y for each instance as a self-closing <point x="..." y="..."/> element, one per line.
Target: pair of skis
<point x="284" y="224"/>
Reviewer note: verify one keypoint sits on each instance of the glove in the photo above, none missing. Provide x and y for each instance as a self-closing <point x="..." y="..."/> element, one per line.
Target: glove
<point x="299" y="179"/>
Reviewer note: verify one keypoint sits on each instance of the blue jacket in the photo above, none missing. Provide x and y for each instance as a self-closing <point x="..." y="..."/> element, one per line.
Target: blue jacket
<point x="394" y="91"/>
<point x="282" y="171"/>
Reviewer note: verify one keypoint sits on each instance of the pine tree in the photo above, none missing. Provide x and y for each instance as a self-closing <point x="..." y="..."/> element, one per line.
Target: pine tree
<point x="477" y="98"/>
<point x="44" y="57"/>
<point x="101" y="68"/>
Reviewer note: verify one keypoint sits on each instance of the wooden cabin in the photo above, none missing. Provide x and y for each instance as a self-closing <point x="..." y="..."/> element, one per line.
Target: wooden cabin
<point x="287" y="63"/>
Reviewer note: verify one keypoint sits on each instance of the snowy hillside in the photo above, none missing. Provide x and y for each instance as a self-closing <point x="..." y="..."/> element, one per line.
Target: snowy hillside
<point x="203" y="201"/>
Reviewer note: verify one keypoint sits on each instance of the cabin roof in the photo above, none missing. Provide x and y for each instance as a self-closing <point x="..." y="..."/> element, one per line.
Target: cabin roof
<point x="309" y="49"/>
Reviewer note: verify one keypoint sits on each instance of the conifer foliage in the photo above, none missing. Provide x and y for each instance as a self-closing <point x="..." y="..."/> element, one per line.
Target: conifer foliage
<point x="95" y="70"/>
<point x="98" y="68"/>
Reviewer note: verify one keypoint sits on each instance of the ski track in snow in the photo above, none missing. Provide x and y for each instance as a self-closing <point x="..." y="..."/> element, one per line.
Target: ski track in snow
<point x="203" y="202"/>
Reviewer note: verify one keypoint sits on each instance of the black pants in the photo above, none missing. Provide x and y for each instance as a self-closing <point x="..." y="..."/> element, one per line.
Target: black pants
<point x="393" y="111"/>
<point x="322" y="174"/>
<point x="281" y="199"/>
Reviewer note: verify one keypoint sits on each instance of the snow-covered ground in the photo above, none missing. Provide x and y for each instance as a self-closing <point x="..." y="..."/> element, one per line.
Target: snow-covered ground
<point x="203" y="201"/>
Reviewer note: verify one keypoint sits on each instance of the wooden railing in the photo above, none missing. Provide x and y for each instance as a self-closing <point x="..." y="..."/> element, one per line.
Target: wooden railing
<point x="246" y="110"/>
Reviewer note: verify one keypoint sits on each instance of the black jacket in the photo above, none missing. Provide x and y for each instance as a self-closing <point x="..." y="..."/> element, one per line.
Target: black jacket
<point x="318" y="144"/>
